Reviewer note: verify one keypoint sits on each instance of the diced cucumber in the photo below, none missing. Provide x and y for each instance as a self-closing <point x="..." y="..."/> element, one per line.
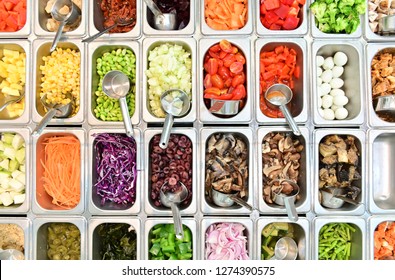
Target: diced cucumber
<point x="21" y="178"/>
<point x="6" y="199"/>
<point x="16" y="173"/>
<point x="20" y="198"/>
<point x="281" y="226"/>
<point x="7" y="137"/>
<point x="14" y="165"/>
<point x="5" y="164"/>
<point x="10" y="152"/>
<point x="16" y="185"/>
<point x="20" y="155"/>
<point x="17" y="142"/>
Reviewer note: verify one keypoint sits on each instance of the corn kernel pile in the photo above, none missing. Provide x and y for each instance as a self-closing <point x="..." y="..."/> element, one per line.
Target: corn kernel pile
<point x="12" y="77"/>
<point x="60" y="75"/>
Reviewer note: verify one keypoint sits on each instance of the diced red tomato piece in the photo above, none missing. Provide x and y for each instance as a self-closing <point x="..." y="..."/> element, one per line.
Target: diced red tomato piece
<point x="263" y="9"/>
<point x="2" y="25"/>
<point x="297" y="71"/>
<point x="22" y="18"/>
<point x="271" y="17"/>
<point x="282" y="11"/>
<point x="291" y="23"/>
<point x="265" y="23"/>
<point x="287" y="2"/>
<point x="12" y="22"/>
<point x="239" y="92"/>
<point x="9" y="5"/>
<point x="301" y="2"/>
<point x="294" y="11"/>
<point x="271" y="4"/>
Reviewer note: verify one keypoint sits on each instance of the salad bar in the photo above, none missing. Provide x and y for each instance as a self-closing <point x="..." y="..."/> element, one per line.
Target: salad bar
<point x="281" y="130"/>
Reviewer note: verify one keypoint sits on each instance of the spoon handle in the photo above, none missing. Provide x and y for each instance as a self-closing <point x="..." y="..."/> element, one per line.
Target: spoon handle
<point x="2" y="107"/>
<point x="126" y="117"/>
<point x="290" y="120"/>
<point x="177" y="221"/>
<point x="90" y="39"/>
<point x="241" y="202"/>
<point x="43" y="123"/>
<point x="291" y="209"/>
<point x="57" y="36"/>
<point x="153" y="7"/>
<point x="164" y="138"/>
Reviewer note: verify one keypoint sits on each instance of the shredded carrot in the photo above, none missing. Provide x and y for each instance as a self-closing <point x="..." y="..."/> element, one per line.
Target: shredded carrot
<point x="61" y="177"/>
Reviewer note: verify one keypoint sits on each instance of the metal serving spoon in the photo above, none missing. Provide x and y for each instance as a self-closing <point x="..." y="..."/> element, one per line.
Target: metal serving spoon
<point x="119" y="22"/>
<point x="16" y="100"/>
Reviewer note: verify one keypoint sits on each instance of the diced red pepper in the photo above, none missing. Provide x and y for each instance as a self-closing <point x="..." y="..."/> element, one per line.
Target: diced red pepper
<point x="287" y="2"/>
<point x="271" y="17"/>
<point x="271" y="4"/>
<point x="265" y="23"/>
<point x="291" y="23"/>
<point x="294" y="11"/>
<point x="282" y="11"/>
<point x="275" y="26"/>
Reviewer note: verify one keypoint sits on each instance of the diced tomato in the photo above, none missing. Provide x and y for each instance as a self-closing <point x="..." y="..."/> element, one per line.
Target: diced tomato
<point x="22" y="18"/>
<point x="275" y="27"/>
<point x="301" y="2"/>
<point x="265" y="23"/>
<point x="291" y="23"/>
<point x="239" y="92"/>
<point x="297" y="72"/>
<point x="271" y="17"/>
<point x="282" y="11"/>
<point x="2" y="25"/>
<point x="12" y="22"/>
<point x="263" y="9"/>
<point x="271" y="4"/>
<point x="287" y="2"/>
<point x="9" y="5"/>
<point x="16" y="1"/>
<point x="269" y="75"/>
<point x="12" y="15"/>
<point x="279" y="49"/>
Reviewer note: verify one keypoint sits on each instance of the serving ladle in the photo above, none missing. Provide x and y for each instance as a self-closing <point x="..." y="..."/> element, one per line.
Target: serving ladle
<point x="15" y="100"/>
<point x="176" y="103"/>
<point x="285" y="249"/>
<point x="116" y="85"/>
<point x="11" y="254"/>
<point x="287" y="200"/>
<point x="278" y="96"/>
<point x="228" y="199"/>
<point x="387" y="24"/>
<point x="54" y="110"/>
<point x="162" y="21"/>
<point x="58" y="13"/>
<point x="171" y="197"/>
<point x="119" y="22"/>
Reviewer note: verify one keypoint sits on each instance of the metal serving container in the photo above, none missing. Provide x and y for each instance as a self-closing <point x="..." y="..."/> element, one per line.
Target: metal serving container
<point x="353" y="77"/>
<point x="148" y="22"/>
<point x="347" y="209"/>
<point x="316" y="33"/>
<point x="300" y="31"/>
<point x="96" y="50"/>
<point x="191" y="223"/>
<point x="207" y="204"/>
<point x="25" y="206"/>
<point x="249" y="230"/>
<point x="371" y="50"/>
<point x="109" y="208"/>
<point x="40" y="234"/>
<point x="369" y="35"/>
<point x="42" y="202"/>
<point x="22" y="47"/>
<point x="96" y="20"/>
<point x="94" y="246"/>
<point x="40" y="50"/>
<point x="373" y="222"/>
<point x="189" y="44"/>
<point x="26" y="30"/>
<point x="302" y="235"/>
<point x="25" y="224"/>
<point x="358" y="244"/>
<point x="299" y="102"/>
<point x="304" y="204"/>
<point x="381" y="180"/>
<point x="41" y="17"/>
<point x="245" y="114"/>
<point x="246" y="30"/>
<point x="150" y="208"/>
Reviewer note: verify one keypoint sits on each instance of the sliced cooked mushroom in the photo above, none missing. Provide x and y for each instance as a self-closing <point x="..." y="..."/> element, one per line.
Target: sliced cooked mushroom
<point x="327" y="149"/>
<point x="267" y="170"/>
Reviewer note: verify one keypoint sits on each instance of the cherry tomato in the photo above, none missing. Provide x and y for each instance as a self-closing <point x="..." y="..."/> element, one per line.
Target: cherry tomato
<point x="228" y="82"/>
<point x="207" y="81"/>
<point x="238" y="79"/>
<point x="212" y="90"/>
<point x="240" y="58"/>
<point x="222" y="54"/>
<point x="235" y="50"/>
<point x="229" y="59"/>
<point x="213" y="54"/>
<point x="224" y="72"/>
<point x="211" y="66"/>
<point x="215" y="48"/>
<point x="236" y="67"/>
<point x="217" y="81"/>
<point x="226" y="46"/>
<point x="239" y="92"/>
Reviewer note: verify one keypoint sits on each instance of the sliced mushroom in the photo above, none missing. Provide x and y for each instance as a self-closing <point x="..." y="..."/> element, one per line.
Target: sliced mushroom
<point x="267" y="170"/>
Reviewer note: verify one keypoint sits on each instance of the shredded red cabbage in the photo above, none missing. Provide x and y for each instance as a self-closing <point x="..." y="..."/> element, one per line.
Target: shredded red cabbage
<point x="116" y="168"/>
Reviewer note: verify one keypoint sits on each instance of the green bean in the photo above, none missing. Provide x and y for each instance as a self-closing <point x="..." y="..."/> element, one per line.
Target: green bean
<point x="123" y="60"/>
<point x="335" y="241"/>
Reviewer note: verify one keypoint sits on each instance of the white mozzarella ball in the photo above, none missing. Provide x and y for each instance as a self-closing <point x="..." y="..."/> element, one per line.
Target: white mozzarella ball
<point x="329" y="114"/>
<point x="326" y="76"/>
<point x="328" y="63"/>
<point x="337" y="91"/>
<point x="341" y="113"/>
<point x="337" y="71"/>
<point x="335" y="107"/>
<point x="319" y="102"/>
<point x="336" y="83"/>
<point x="340" y="58"/>
<point x="327" y="101"/>
<point x="321" y="112"/>
<point x="320" y="60"/>
<point x="319" y="81"/>
<point x="340" y="100"/>
<point x="324" y="88"/>
<point x="319" y="71"/>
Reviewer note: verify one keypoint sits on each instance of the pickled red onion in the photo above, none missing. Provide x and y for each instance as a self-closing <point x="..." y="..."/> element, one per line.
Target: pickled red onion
<point x="226" y="241"/>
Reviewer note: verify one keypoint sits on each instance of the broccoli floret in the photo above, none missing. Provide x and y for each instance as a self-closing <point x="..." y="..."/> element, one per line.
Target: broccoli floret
<point x="347" y="2"/>
<point x="341" y="24"/>
<point x="353" y="22"/>
<point x="318" y="9"/>
<point x="324" y="27"/>
<point x="360" y="7"/>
